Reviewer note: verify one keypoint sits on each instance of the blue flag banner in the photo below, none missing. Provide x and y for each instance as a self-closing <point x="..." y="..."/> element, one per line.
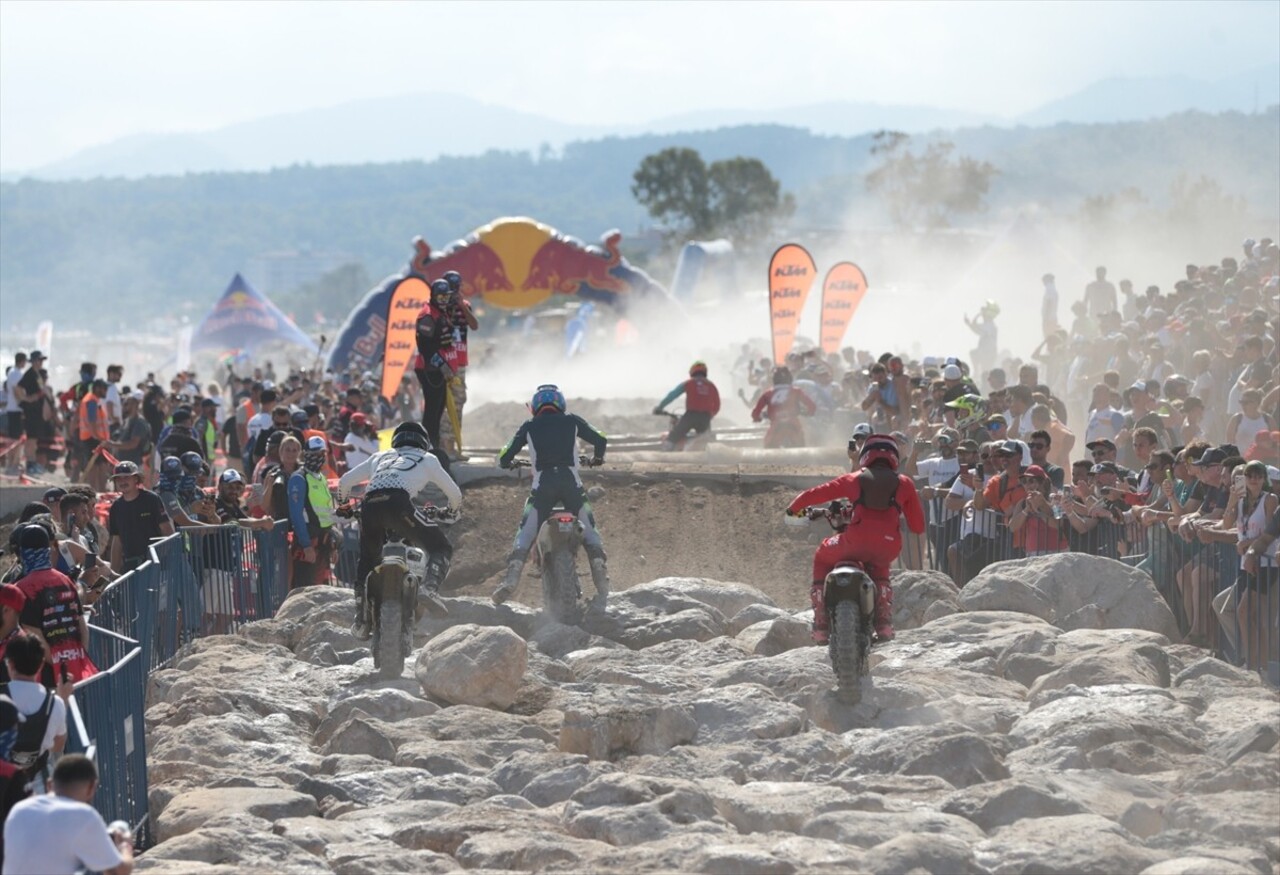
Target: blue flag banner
<point x="245" y="319"/>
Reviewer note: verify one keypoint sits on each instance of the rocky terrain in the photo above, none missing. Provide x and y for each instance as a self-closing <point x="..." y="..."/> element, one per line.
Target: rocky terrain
<point x="1038" y="721"/>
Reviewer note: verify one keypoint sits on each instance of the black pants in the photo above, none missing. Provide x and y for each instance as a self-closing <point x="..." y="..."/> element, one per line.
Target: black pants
<point x="435" y="388"/>
<point x="698" y="421"/>
<point x="390" y="512"/>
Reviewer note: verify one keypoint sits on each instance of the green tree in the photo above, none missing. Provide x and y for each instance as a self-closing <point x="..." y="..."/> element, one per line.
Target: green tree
<point x="737" y="197"/>
<point x="928" y="188"/>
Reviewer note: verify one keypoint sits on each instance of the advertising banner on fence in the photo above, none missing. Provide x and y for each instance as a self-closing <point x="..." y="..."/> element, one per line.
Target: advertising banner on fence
<point x="842" y="292"/>
<point x="791" y="275"/>
<point x="410" y="296"/>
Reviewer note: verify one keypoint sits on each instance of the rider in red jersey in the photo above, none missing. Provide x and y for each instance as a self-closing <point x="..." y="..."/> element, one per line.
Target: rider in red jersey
<point x="880" y="496"/>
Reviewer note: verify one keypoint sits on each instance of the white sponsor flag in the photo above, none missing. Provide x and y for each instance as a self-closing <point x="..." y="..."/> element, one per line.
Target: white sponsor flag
<point x="184" y="347"/>
<point x="44" y="338"/>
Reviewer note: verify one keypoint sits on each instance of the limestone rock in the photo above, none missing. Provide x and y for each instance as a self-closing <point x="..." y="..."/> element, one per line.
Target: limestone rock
<point x="752" y="614"/>
<point x="1083" y="843"/>
<point x="189" y="811"/>
<point x="726" y="599"/>
<point x="922" y="596"/>
<point x="771" y="637"/>
<point x="1056" y="587"/>
<point x="618" y="722"/>
<point x="473" y="665"/>
<point x="949" y="750"/>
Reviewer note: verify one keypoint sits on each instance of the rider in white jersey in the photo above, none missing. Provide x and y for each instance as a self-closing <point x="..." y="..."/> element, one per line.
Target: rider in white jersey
<point x="395" y="477"/>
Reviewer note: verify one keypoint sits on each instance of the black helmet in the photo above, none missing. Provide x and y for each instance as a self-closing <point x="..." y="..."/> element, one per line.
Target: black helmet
<point x="411" y="434"/>
<point x="191" y="461"/>
<point x="33" y="536"/>
<point x="781" y="376"/>
<point x="440" y="291"/>
<point x="454" y="279"/>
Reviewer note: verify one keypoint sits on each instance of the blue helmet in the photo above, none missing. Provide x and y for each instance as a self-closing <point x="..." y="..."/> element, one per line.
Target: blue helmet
<point x="171" y="466"/>
<point x="440" y="292"/>
<point x="546" y="398"/>
<point x="192" y="461"/>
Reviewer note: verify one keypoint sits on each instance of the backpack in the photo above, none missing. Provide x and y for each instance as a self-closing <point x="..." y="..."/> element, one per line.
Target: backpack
<point x="26" y="752"/>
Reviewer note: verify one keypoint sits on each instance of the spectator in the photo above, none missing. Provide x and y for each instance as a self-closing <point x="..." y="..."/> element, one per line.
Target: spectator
<point x="1257" y="587"/>
<point x="61" y="833"/>
<point x="1035" y="517"/>
<point x="11" y="603"/>
<point x="134" y="441"/>
<point x="1040" y="444"/>
<point x="1100" y="295"/>
<point x="311" y="517"/>
<point x="185" y="505"/>
<point x="361" y="440"/>
<point x="12" y="410"/>
<point x="136" y="518"/>
<point x="52" y="612"/>
<point x="33" y="403"/>
<point x="42" y="730"/>
<point x="206" y="428"/>
<point x="1003" y="491"/>
<point x="179" y="437"/>
<point x="1244" y="426"/>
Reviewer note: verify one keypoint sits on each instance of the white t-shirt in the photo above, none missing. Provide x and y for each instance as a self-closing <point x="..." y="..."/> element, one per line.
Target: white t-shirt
<point x="29" y="698"/>
<point x="938" y="471"/>
<point x="364" y="448"/>
<point x="113" y="402"/>
<point x="54" y="835"/>
<point x="11" y="381"/>
<point x="981" y="522"/>
<point x="1104" y="423"/>
<point x="257" y="423"/>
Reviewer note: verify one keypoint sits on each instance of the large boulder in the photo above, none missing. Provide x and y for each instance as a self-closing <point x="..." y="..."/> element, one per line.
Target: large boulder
<point x="473" y="665"/>
<point x="727" y="599"/>
<point x="922" y="596"/>
<point x="191" y="810"/>
<point x="1072" y="591"/>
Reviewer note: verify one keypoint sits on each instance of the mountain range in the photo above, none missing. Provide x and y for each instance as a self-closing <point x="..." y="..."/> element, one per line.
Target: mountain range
<point x="427" y="126"/>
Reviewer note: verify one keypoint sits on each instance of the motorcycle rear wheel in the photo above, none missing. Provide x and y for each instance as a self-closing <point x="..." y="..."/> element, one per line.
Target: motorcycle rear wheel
<point x="847" y="651"/>
<point x="560" y="589"/>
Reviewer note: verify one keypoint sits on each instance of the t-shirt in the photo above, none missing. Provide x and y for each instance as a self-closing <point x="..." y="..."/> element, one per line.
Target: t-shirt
<point x="30" y="384"/>
<point x="30" y="697"/>
<point x="1104" y="424"/>
<point x="11" y="381"/>
<point x="179" y="440"/>
<point x="54" y="835"/>
<point x="113" y="402"/>
<point x="136" y="523"/>
<point x="938" y="471"/>
<point x="53" y="606"/>
<point x="1212" y="498"/>
<point x="364" y="448"/>
<point x="136" y="427"/>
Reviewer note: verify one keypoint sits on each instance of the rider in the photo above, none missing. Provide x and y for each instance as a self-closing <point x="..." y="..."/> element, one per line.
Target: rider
<point x="395" y="476"/>
<point x="552" y="436"/>
<point x="701" y="403"/>
<point x="879" y="495"/>
<point x="436" y="359"/>
<point x="782" y="406"/>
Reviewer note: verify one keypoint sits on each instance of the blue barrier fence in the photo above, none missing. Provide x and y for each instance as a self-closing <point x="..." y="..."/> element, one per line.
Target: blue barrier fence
<point x="197" y="582"/>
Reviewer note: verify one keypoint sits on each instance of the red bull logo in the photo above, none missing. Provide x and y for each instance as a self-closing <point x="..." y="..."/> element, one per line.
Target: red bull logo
<point x="481" y="268"/>
<point x="565" y="265"/>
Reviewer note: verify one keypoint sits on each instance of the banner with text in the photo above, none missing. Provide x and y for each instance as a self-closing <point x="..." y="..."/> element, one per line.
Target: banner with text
<point x="791" y="275"/>
<point x="842" y="292"/>
<point x="409" y="297"/>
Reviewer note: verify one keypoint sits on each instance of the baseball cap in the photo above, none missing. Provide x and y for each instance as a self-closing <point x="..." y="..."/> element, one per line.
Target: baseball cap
<point x="53" y="495"/>
<point x="208" y="402"/>
<point x="299" y="417"/>
<point x="1212" y="456"/>
<point x="1104" y="468"/>
<point x="181" y="415"/>
<point x="12" y="597"/>
<point x="359" y="419"/>
<point x="1008" y="448"/>
<point x="231" y="475"/>
<point x="948" y="436"/>
<point x="952" y="372"/>
<point x="1101" y="442"/>
<point x="316" y="443"/>
<point x="1035" y="471"/>
<point x="862" y="429"/>
<point x="311" y="409"/>
<point x="126" y="469"/>
<point x="967" y="446"/>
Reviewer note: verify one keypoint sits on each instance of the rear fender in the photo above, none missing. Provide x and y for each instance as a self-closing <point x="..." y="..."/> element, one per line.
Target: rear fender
<point x="561" y="531"/>
<point x="847" y="582"/>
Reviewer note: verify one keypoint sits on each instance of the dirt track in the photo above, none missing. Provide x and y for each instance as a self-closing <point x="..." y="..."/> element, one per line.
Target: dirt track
<point x="725" y="531"/>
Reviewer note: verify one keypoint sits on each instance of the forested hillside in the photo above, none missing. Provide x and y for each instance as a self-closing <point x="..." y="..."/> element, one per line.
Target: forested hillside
<point x="151" y="243"/>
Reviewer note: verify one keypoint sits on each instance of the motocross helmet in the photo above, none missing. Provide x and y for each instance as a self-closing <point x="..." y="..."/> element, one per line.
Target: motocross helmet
<point x="990" y="309"/>
<point x="440" y="292"/>
<point x="192" y="461"/>
<point x="970" y="410"/>
<point x="781" y="375"/>
<point x="879" y="447"/>
<point x="698" y="369"/>
<point x="548" y="397"/>
<point x="410" y="434"/>
<point x="454" y="279"/>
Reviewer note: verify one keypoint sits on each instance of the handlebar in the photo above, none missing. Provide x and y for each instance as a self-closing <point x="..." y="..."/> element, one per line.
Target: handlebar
<point x="584" y="461"/>
<point x="836" y="513"/>
<point x="351" y="510"/>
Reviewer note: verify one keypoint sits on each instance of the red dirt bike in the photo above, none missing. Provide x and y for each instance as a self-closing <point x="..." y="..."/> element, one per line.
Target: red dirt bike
<point x="849" y="596"/>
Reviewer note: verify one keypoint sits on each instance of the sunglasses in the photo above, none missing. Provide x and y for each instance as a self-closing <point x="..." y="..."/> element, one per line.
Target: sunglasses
<point x="1038" y="446"/>
<point x="994" y="426"/>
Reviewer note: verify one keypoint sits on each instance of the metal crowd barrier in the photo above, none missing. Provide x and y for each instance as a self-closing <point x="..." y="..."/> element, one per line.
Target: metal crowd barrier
<point x="1234" y="614"/>
<point x="106" y="723"/>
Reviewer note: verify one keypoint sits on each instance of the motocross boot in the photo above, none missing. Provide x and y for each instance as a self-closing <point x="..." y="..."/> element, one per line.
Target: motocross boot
<point x="884" y="610"/>
<point x="429" y="590"/>
<point x="817" y="597"/>
<point x="511" y="580"/>
<point x="362" y="628"/>
<point x="599" y="576"/>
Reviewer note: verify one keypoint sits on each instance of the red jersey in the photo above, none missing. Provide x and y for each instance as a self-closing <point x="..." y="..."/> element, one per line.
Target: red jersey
<point x="783" y="404"/>
<point x="906" y="501"/>
<point x="701" y="396"/>
<point x="53" y="607"/>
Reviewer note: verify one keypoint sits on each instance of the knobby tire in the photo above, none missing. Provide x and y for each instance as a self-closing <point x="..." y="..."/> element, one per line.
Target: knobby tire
<point x="847" y="651"/>
<point x="560" y="589"/>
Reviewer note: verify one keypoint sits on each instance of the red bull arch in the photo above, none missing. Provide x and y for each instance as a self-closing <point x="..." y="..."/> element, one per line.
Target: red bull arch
<point x="512" y="264"/>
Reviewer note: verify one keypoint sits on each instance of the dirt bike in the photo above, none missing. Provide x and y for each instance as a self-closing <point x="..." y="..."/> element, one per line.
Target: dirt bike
<point x="391" y="595"/>
<point x="849" y="596"/>
<point x="691" y="441"/>
<point x="559" y="540"/>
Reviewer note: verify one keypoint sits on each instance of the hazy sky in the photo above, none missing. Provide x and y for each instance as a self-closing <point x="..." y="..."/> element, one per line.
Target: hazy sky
<point x="78" y="74"/>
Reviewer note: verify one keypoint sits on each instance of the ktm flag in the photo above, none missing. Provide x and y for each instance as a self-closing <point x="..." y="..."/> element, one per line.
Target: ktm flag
<point x="400" y="346"/>
<point x="841" y="294"/>
<point x="791" y="275"/>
